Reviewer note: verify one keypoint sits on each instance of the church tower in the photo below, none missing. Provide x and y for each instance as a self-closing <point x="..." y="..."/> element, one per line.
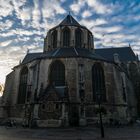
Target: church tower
<point x="69" y="33"/>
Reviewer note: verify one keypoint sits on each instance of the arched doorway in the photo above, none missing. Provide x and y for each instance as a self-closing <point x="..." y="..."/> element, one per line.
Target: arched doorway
<point x="73" y="114"/>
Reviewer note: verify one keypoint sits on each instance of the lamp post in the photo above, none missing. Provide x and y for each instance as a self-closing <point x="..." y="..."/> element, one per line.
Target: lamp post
<point x="100" y="115"/>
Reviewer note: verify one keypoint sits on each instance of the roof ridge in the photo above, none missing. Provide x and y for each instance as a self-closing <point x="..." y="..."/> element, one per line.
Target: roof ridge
<point x="35" y="53"/>
<point x="75" y="51"/>
<point x="57" y="50"/>
<point x="113" y="48"/>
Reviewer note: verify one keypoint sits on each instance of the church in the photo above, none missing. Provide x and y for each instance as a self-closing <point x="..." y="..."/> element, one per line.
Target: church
<point x="64" y="84"/>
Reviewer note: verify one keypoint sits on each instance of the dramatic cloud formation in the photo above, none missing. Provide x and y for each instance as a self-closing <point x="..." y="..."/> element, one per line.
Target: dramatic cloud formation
<point x="24" y="24"/>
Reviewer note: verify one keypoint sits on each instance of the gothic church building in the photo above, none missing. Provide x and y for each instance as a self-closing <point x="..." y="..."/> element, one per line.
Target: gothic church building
<point x="63" y="85"/>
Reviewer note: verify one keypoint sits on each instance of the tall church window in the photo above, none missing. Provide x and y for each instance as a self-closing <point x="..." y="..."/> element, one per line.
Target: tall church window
<point x="133" y="70"/>
<point x="98" y="82"/>
<point x="57" y="73"/>
<point x="54" y="39"/>
<point x="81" y="81"/>
<point x="23" y="86"/>
<point x="66" y="37"/>
<point x="90" y="39"/>
<point x="78" y="38"/>
<point x="123" y="89"/>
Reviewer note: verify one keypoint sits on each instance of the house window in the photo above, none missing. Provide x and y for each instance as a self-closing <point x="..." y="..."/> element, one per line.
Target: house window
<point x="54" y="39"/>
<point x="98" y="82"/>
<point x="78" y="38"/>
<point x="57" y="73"/>
<point x="66" y="37"/>
<point x="23" y="86"/>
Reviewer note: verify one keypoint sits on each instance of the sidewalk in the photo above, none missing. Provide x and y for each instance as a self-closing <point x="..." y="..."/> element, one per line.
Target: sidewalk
<point x="86" y="133"/>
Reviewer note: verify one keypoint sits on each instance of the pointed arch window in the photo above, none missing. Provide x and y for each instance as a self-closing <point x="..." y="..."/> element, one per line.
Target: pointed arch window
<point x="78" y="37"/>
<point x="57" y="73"/>
<point x="133" y="70"/>
<point x="98" y="82"/>
<point x="66" y="37"/>
<point x="23" y="86"/>
<point x="90" y="39"/>
<point x="123" y="89"/>
<point x="54" y="39"/>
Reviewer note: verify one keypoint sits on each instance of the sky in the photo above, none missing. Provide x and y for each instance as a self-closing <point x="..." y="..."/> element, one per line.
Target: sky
<point x="24" y="25"/>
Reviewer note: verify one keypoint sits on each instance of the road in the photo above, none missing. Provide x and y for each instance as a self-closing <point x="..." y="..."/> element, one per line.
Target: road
<point x="85" y="133"/>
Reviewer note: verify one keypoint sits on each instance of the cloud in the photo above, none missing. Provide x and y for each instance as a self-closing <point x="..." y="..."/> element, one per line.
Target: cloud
<point x="23" y="38"/>
<point x="36" y="14"/>
<point x="5" y="43"/>
<point x="40" y="11"/>
<point x="91" y="23"/>
<point x="24" y="13"/>
<point x="94" y="5"/>
<point x="86" y="14"/>
<point x="76" y="6"/>
<point x="106" y="30"/>
<point x="98" y="7"/>
<point x="6" y="25"/>
<point x="6" y="8"/>
<point x="24" y="24"/>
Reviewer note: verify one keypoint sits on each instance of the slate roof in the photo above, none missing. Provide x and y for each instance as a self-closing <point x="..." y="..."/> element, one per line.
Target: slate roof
<point x="104" y="54"/>
<point x="69" y="20"/>
<point x="63" y="53"/>
<point x="125" y="53"/>
<point x="30" y="57"/>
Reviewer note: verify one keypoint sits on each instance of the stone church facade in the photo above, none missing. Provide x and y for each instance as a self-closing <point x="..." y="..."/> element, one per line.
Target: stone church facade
<point x="63" y="85"/>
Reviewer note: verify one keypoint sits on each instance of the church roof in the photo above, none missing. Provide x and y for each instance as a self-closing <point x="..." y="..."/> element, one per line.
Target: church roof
<point x="30" y="57"/>
<point x="125" y="53"/>
<point x="69" y="20"/>
<point x="63" y="53"/>
<point x="105" y="54"/>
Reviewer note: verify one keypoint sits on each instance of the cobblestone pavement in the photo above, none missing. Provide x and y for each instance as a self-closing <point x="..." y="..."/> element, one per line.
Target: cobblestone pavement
<point x="86" y="133"/>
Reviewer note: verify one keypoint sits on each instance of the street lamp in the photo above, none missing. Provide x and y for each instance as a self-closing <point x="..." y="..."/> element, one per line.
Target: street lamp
<point x="100" y="114"/>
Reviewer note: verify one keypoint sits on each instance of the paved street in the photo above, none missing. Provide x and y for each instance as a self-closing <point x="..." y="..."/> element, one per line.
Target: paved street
<point x="86" y="133"/>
